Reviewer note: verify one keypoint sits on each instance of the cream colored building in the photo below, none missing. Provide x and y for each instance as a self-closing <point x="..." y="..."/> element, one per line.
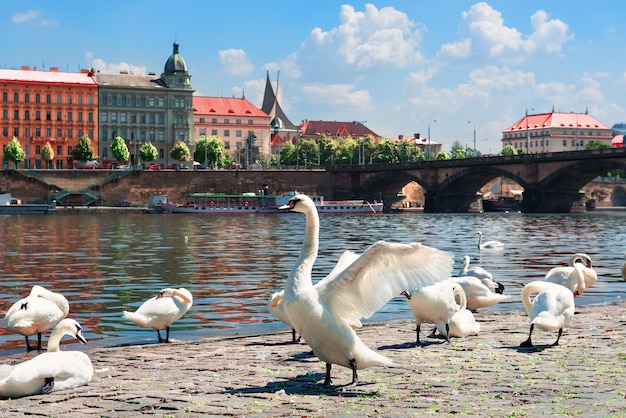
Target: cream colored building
<point x="555" y="132"/>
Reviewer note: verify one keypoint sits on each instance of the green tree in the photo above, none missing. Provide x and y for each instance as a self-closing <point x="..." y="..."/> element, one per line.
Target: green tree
<point x="457" y="150"/>
<point x="148" y="152"/>
<point x="327" y="147"/>
<point x="83" y="151"/>
<point x="306" y="153"/>
<point x="120" y="149"/>
<point x="210" y="151"/>
<point x="47" y="154"/>
<point x="443" y="156"/>
<point x="508" y="150"/>
<point x="595" y="144"/>
<point x="287" y="154"/>
<point x="14" y="152"/>
<point x="180" y="151"/>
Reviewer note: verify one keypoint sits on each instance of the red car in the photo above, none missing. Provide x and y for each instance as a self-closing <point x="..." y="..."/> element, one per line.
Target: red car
<point x="154" y="167"/>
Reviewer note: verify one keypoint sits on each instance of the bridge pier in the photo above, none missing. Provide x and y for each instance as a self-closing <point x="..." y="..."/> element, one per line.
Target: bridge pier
<point x="553" y="202"/>
<point x="438" y="202"/>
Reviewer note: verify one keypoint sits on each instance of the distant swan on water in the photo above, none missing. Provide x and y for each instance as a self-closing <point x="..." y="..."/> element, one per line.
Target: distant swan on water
<point x="324" y="315"/>
<point x="488" y="244"/>
<point x="49" y="372"/>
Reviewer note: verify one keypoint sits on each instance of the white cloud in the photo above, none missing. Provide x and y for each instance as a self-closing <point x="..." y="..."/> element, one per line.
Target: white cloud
<point x="235" y="62"/>
<point x="488" y="36"/>
<point x="102" y="66"/>
<point x="423" y="76"/>
<point x="33" y="17"/>
<point x="375" y="37"/>
<point x="338" y="95"/>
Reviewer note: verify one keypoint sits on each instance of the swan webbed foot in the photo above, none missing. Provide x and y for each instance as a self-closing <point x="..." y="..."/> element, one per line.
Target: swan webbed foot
<point x="558" y="337"/>
<point x="448" y="333"/>
<point x="37" y="347"/>
<point x="48" y="385"/>
<point x="355" y="377"/>
<point x="294" y="335"/>
<point x="327" y="380"/>
<point x="167" y="336"/>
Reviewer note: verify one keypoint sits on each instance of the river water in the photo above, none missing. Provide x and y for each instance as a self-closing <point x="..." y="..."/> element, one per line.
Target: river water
<point x="107" y="263"/>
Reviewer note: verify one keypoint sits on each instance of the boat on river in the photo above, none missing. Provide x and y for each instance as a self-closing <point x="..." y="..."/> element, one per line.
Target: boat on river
<point x="12" y="206"/>
<point x="220" y="203"/>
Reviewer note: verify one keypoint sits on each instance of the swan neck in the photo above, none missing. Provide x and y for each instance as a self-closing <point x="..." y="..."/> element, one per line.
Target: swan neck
<point x="182" y="296"/>
<point x="54" y="342"/>
<point x="57" y="299"/>
<point x="301" y="273"/>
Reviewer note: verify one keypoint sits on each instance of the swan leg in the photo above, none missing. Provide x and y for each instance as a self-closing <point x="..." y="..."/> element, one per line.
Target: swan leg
<point x="327" y="379"/>
<point x="167" y="335"/>
<point x="559" y="336"/>
<point x="28" y="346"/>
<point x="528" y="342"/>
<point x="447" y="332"/>
<point x="159" y="335"/>
<point x="355" y="377"/>
<point x="417" y="335"/>
<point x="293" y="336"/>
<point x="48" y="385"/>
<point x="39" y="346"/>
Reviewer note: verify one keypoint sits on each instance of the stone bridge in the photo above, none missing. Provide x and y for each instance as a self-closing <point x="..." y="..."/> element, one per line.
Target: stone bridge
<point x="552" y="182"/>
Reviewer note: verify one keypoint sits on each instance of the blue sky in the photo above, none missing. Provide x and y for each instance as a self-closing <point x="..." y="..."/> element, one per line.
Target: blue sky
<point x="399" y="65"/>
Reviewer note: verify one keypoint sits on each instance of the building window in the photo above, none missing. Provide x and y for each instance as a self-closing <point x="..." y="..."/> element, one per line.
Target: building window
<point x="114" y="100"/>
<point x="80" y="99"/>
<point x="69" y="99"/>
<point x="162" y="120"/>
<point x="48" y="132"/>
<point x="113" y="117"/>
<point x="16" y="114"/>
<point x="123" y="100"/>
<point x="226" y="121"/>
<point x="160" y="102"/>
<point x="133" y="118"/>
<point x="151" y="102"/>
<point x="48" y="98"/>
<point x="27" y="97"/>
<point x="70" y="133"/>
<point x="238" y="133"/>
<point x="27" y="115"/>
<point x="161" y="153"/>
<point x="38" y="150"/>
<point x="69" y="116"/>
<point x="38" y="132"/>
<point x="90" y="116"/>
<point x="161" y="137"/>
<point x="201" y="120"/>
<point x="59" y="118"/>
<point x="5" y="114"/>
<point x="151" y="118"/>
<point x="37" y="114"/>
<point x="105" y="134"/>
<point x="250" y="122"/>
<point x="133" y="101"/>
<point x="58" y="99"/>
<point x="80" y="116"/>
<point x="123" y="116"/>
<point x="5" y="131"/>
<point x="59" y="133"/>
<point x="214" y="120"/>
<point x="89" y="100"/>
<point x="16" y="97"/>
<point x="59" y="150"/>
<point x="226" y="133"/>
<point x="142" y="101"/>
<point x="5" y="96"/>
<point x="214" y="132"/>
<point x="238" y="121"/>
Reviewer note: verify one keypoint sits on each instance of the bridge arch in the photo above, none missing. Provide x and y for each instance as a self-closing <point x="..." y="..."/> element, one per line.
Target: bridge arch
<point x="387" y="184"/>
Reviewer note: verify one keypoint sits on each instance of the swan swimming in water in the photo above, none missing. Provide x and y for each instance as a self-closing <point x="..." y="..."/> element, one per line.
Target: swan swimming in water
<point x="488" y="244"/>
<point x="551" y="310"/>
<point x="49" y="372"/>
<point x="41" y="310"/>
<point x="478" y="295"/>
<point x="324" y="315"/>
<point x="161" y="311"/>
<point x="479" y="272"/>
<point x="435" y="304"/>
<point x="579" y="264"/>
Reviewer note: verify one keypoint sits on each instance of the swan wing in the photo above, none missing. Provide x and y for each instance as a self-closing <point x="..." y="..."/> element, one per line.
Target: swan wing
<point x="380" y="273"/>
<point x="347" y="258"/>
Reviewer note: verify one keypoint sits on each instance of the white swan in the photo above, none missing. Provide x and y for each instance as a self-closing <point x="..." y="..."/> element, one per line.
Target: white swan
<point x="488" y="244"/>
<point x="462" y="324"/>
<point x="579" y="264"/>
<point x="479" y="272"/>
<point x="478" y="295"/>
<point x="38" y="312"/>
<point x="49" y="372"/>
<point x="161" y="311"/>
<point x="275" y="303"/>
<point x="324" y="315"/>
<point x="435" y="304"/>
<point x="551" y="310"/>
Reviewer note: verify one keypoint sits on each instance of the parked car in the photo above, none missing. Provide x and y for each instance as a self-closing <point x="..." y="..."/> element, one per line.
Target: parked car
<point x="125" y="167"/>
<point x="88" y="165"/>
<point x="177" y="167"/>
<point x="154" y="167"/>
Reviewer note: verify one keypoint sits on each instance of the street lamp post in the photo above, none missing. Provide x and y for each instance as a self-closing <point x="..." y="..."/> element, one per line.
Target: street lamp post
<point x="429" y="138"/>
<point x="362" y="146"/>
<point x="474" y="153"/>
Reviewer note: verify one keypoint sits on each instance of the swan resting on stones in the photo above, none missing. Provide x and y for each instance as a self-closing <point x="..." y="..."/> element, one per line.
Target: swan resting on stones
<point x="161" y="311"/>
<point x="478" y="295"/>
<point x="41" y="310"/>
<point x="324" y="315"/>
<point x="49" y="372"/>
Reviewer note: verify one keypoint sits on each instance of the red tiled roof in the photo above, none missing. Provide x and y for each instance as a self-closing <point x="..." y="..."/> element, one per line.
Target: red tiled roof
<point x="225" y="107"/>
<point x="335" y="128"/>
<point x="556" y="120"/>
<point x="36" y="76"/>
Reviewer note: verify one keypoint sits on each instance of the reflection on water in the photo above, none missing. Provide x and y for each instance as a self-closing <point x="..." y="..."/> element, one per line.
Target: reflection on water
<point x="105" y="264"/>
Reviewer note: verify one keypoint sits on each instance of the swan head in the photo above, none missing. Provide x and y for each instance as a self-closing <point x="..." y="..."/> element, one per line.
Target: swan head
<point x="581" y="258"/>
<point x="72" y="328"/>
<point x="299" y="203"/>
<point x="479" y="234"/>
